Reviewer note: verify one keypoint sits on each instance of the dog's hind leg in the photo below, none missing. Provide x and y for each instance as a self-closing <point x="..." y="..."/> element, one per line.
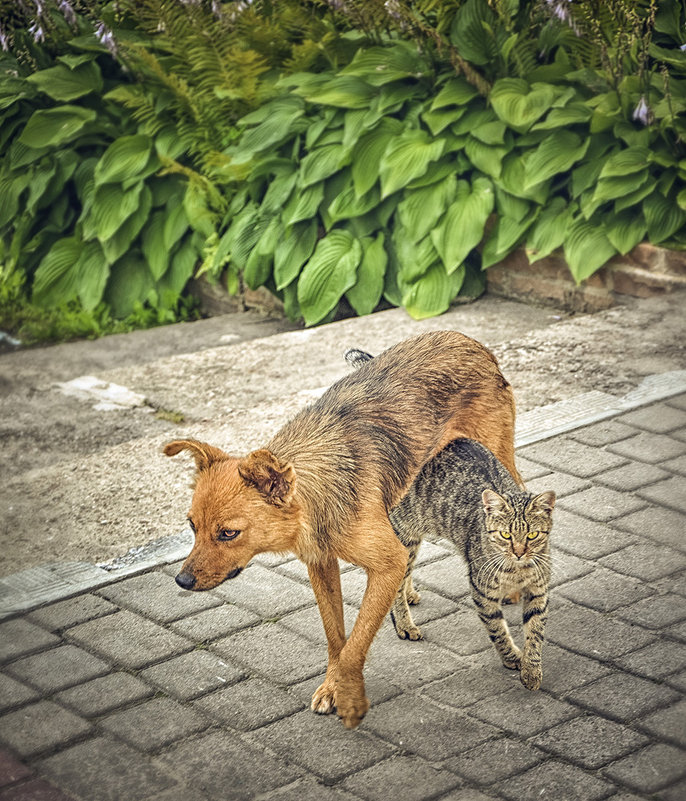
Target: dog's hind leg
<point x="374" y="547"/>
<point x="325" y="578"/>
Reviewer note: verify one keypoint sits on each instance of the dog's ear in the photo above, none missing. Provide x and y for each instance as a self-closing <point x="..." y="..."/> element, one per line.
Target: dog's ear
<point x="274" y="480"/>
<point x="203" y="453"/>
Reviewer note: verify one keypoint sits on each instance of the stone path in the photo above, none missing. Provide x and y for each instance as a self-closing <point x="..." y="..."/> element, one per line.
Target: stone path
<point x="134" y="689"/>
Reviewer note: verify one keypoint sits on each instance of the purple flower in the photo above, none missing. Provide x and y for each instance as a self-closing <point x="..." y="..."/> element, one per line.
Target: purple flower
<point x="36" y="30"/>
<point x="642" y="112"/>
<point x="67" y="12"/>
<point x="4" y="40"/>
<point x="104" y="36"/>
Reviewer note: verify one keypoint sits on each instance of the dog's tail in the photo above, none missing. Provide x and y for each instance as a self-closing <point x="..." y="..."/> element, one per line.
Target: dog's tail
<point x="356" y="358"/>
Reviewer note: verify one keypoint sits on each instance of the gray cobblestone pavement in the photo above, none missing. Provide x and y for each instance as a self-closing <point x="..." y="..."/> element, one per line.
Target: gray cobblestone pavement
<point x="138" y="690"/>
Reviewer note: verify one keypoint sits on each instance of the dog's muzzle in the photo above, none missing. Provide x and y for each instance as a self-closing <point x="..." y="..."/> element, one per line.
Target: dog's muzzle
<point x="185" y="580"/>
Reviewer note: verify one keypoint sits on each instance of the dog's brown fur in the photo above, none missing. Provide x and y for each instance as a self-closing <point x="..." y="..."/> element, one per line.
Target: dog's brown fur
<point x="324" y="485"/>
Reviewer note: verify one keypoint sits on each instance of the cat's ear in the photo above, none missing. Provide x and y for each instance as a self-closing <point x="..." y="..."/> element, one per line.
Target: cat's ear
<point x="545" y="502"/>
<point x="493" y="502"/>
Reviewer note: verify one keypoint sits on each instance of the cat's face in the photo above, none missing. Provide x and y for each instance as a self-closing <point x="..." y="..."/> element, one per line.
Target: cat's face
<point x="518" y="525"/>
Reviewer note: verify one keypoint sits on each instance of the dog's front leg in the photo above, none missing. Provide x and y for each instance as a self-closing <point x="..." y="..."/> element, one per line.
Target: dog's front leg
<point x="384" y="558"/>
<point x="325" y="578"/>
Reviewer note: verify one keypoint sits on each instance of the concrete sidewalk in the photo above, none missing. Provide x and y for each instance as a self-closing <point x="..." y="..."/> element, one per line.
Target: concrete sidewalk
<point x="134" y="689"/>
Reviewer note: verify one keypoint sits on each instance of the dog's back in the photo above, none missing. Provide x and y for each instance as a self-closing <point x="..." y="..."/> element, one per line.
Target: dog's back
<point x="369" y="435"/>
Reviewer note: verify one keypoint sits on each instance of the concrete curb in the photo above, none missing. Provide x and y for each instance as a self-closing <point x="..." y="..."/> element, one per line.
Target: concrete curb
<point x="28" y="589"/>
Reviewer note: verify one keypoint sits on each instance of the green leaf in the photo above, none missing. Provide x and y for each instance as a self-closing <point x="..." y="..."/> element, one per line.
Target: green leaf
<point x="506" y="234"/>
<point x="490" y="133"/>
<point x="175" y="225"/>
<point x="62" y="83"/>
<point x="156" y="254"/>
<point x="664" y="217"/>
<point x="625" y="230"/>
<point x="247" y="229"/>
<point x="343" y="91"/>
<point x="181" y="268"/>
<point x="258" y="267"/>
<point x="472" y="32"/>
<point x="487" y="158"/>
<point x="121" y="240"/>
<point x="381" y="65"/>
<point x="347" y="204"/>
<point x="129" y="284"/>
<point x="365" y="294"/>
<point x="563" y="117"/>
<point x="420" y="209"/>
<point x="293" y="251"/>
<point x="413" y="259"/>
<point x="556" y="154"/>
<point x="200" y="216"/>
<point x="406" y="158"/>
<point x="438" y="121"/>
<point x="55" y="126"/>
<point x="431" y="294"/>
<point x="56" y="279"/>
<point x="520" y="105"/>
<point x="627" y="161"/>
<point x="283" y="117"/>
<point x="328" y="275"/>
<point x="548" y="232"/>
<point x="368" y="154"/>
<point x="111" y="206"/>
<point x="93" y="271"/>
<point x="634" y="198"/>
<point x="586" y="249"/>
<point x="462" y="226"/>
<point x="619" y="186"/>
<point x="456" y="92"/>
<point x="320" y="163"/>
<point x="303" y="205"/>
<point x="125" y="158"/>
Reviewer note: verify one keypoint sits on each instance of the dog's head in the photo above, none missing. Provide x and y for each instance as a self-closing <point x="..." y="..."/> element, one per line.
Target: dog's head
<point x="240" y="507"/>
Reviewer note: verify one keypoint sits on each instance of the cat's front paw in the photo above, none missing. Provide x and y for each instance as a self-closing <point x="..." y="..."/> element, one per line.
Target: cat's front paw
<point x="410" y="632"/>
<point x="531" y="676"/>
<point x="413" y="597"/>
<point x="513" y="661"/>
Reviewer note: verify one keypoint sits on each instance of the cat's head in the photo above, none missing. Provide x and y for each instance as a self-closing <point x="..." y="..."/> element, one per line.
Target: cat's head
<point x="519" y="524"/>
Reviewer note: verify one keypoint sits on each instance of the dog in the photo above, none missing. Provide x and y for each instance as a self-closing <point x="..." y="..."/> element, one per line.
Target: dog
<point x="323" y="486"/>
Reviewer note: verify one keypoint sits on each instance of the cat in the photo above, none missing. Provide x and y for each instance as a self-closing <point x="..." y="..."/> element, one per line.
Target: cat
<point x="464" y="493"/>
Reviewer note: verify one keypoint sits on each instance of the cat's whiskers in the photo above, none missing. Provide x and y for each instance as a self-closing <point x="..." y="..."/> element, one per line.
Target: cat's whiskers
<point x="491" y="561"/>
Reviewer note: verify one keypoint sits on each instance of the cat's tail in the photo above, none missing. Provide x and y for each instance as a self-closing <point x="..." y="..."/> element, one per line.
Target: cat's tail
<point x="356" y="358"/>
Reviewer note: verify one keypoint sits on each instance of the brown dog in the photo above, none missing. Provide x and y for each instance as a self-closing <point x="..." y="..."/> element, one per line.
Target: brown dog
<point x="323" y="486"/>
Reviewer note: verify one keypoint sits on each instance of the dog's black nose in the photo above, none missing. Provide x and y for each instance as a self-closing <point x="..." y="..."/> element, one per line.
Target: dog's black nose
<point x="186" y="581"/>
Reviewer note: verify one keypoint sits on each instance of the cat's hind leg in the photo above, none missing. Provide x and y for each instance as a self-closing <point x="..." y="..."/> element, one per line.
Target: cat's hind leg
<point x="401" y="616"/>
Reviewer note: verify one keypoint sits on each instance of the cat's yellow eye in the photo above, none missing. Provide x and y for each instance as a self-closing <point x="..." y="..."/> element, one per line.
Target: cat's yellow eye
<point x="532" y="535"/>
<point x="505" y="535"/>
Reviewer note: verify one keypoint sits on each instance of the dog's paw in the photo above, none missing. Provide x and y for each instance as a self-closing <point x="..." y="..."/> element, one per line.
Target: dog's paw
<point x="351" y="703"/>
<point x="531" y="676"/>
<point x="409" y="632"/>
<point x="323" y="701"/>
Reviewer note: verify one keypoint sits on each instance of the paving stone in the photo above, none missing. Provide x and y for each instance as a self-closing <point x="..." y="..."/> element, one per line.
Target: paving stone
<point x="598" y="635"/>
<point x="590" y="741"/>
<point x="605" y="590"/>
<point x="14" y="693"/>
<point x="446" y="577"/>
<point x="564" y="670"/>
<point x="645" y="561"/>
<point x="667" y="724"/>
<point x="273" y="651"/>
<point x="676" y="792"/>
<point x="603" y="433"/>
<point x="676" y="583"/>
<point x="310" y="789"/>
<point x="11" y="769"/>
<point x="308" y="622"/>
<point x="214" y="623"/>
<point x="249" y="704"/>
<point x="530" y="470"/>
<point x="657" y="660"/>
<point x="192" y="675"/>
<point x="433" y="551"/>
<point x="483" y="679"/>
<point x="116" y="770"/>
<point x="677" y="632"/>
<point x="523" y="713"/>
<point x="656" y="612"/>
<point x="677" y="401"/>
<point x="19" y="637"/>
<point x="649" y="770"/>
<point x="151" y="725"/>
<point x="105" y="694"/>
<point x="555" y="780"/>
<point x="58" y="668"/>
<point x="461" y="632"/>
<point x="632" y="476"/>
<point x="677" y="465"/>
<point x="671" y="492"/>
<point x="566" y="567"/>
<point x="658" y="418"/>
<point x="353" y="585"/>
<point x="322" y="745"/>
<point x="129" y="640"/>
<point x="677" y="680"/>
<point x="419" y="725"/>
<point x="602" y="504"/>
<point x="378" y="688"/>
<point x="466" y="794"/>
<point x="158" y="597"/>
<point x="61" y="615"/>
<point x="495" y="760"/>
<point x="406" y="777"/>
<point x="432" y="607"/>
<point x="657" y="525"/>
<point x="649" y="447"/>
<point x="623" y="697"/>
<point x="39" y="727"/>
<point x="34" y="790"/>
<point x="265" y="592"/>
<point x="563" y="483"/>
<point x="573" y="457"/>
<point x="584" y="538"/>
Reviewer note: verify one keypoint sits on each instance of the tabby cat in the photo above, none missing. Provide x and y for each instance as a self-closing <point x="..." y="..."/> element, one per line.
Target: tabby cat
<point x="502" y="531"/>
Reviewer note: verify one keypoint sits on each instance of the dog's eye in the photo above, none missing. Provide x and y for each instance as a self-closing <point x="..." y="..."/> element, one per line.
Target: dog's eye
<point x="228" y="534"/>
